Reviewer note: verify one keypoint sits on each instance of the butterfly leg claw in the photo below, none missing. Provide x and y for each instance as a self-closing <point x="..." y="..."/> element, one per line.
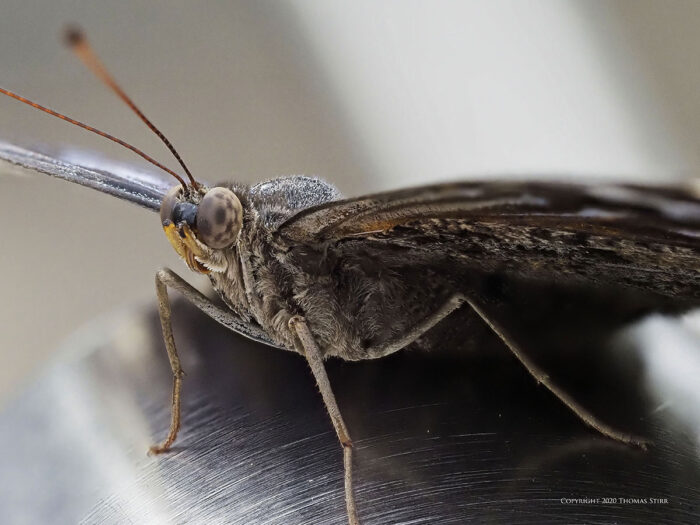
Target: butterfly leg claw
<point x="308" y="347"/>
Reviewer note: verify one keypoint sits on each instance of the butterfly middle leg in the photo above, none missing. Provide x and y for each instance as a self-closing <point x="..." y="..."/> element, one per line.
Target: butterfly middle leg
<point x="307" y="346"/>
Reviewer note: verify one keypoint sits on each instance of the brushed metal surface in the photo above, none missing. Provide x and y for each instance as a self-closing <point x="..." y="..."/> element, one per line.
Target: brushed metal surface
<point x="438" y="439"/>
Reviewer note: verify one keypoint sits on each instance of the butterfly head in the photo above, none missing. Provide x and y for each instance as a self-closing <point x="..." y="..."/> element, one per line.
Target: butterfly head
<point x="199" y="223"/>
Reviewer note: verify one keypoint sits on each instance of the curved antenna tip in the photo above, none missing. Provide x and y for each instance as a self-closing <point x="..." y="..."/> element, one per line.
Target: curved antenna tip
<point x="73" y="36"/>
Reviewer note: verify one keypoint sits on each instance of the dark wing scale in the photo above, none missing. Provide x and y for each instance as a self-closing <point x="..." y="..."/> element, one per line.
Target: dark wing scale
<point x="144" y="189"/>
<point x="640" y="237"/>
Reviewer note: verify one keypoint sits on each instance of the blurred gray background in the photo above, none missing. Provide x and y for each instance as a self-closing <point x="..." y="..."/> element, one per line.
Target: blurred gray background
<point x="369" y="95"/>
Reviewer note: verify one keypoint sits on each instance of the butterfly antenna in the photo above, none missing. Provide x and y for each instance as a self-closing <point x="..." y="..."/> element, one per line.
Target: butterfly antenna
<point x="94" y="130"/>
<point x="76" y="40"/>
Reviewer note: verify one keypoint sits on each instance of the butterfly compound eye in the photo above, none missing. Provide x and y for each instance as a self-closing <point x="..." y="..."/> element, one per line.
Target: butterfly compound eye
<point x="219" y="218"/>
<point x="168" y="204"/>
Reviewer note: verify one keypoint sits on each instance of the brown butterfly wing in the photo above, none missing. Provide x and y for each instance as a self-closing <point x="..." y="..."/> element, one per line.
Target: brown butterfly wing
<point x="621" y="236"/>
<point x="147" y="189"/>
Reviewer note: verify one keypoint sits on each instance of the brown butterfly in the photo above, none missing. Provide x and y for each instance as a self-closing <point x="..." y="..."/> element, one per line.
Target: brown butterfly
<point x="301" y="269"/>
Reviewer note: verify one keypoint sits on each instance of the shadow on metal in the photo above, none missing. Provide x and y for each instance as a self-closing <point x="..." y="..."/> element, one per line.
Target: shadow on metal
<point x="439" y="439"/>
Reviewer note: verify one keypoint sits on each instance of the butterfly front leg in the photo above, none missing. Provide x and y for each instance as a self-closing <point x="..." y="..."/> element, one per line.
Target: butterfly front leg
<point x="165" y="313"/>
<point x="166" y="278"/>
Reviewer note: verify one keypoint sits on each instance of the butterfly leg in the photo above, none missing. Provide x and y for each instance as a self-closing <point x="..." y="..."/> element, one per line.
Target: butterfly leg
<point x="165" y="313"/>
<point x="308" y="347"/>
<point x="541" y="377"/>
<point x="419" y="329"/>
<point x="166" y="278"/>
